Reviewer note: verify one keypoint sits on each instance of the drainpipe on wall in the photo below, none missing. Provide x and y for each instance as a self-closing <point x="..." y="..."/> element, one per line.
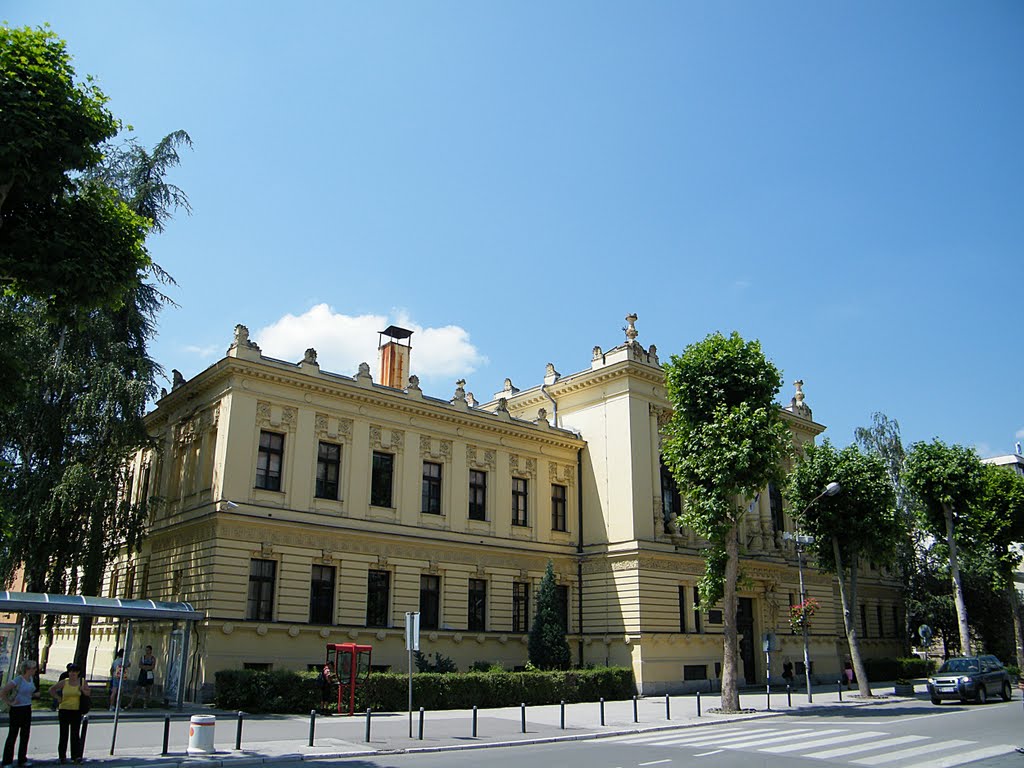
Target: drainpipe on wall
<point x="554" y="405"/>
<point x="579" y="551"/>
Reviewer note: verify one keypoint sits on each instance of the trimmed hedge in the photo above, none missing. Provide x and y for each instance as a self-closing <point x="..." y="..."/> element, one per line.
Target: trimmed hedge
<point x="280" y="692"/>
<point x="883" y="670"/>
<point x="389" y="692"/>
<point x="283" y="692"/>
<point x="915" y="666"/>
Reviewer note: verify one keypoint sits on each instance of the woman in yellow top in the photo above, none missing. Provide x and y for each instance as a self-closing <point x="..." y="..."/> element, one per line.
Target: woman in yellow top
<point x="69" y="693"/>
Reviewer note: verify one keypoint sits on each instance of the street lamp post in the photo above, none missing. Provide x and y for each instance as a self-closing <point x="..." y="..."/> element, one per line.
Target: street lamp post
<point x="801" y="541"/>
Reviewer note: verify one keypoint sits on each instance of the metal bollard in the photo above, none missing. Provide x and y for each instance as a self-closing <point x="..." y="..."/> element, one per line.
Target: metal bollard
<point x="738" y="705"/>
<point x="474" y="721"/>
<point x="698" y="703"/>
<point x="238" y="730"/>
<point x="563" y="714"/>
<point x="789" y="696"/>
<point x="839" y="687"/>
<point x="522" y="708"/>
<point x="636" y="716"/>
<point x="421" y="723"/>
<point x="668" y="711"/>
<point x="167" y="733"/>
<point x="369" y="714"/>
<point x="602" y="710"/>
<point x="768" y="688"/>
<point x="312" y="725"/>
<point x="84" y="731"/>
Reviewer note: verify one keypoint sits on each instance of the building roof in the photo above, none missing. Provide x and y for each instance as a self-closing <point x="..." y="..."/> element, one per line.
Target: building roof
<point x="81" y="605"/>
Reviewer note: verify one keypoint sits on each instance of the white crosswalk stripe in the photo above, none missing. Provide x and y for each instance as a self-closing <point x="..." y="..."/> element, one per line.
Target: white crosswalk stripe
<point x="841" y="744"/>
<point x="732" y="741"/>
<point x="813" y="743"/>
<point x="674" y="735"/>
<point x="829" y="754"/>
<point x="964" y="757"/>
<point x="912" y="752"/>
<point x="694" y="738"/>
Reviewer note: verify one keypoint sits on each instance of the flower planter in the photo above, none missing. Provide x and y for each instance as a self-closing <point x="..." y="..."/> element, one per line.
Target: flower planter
<point x="903" y="689"/>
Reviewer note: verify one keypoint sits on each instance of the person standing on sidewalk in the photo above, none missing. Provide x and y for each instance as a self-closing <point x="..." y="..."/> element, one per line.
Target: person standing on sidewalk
<point x="147" y="676"/>
<point x="117" y="672"/>
<point x="70" y="691"/>
<point x="18" y="695"/>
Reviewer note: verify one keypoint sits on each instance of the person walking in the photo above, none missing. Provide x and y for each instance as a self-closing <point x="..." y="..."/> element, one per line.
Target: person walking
<point x="18" y="695"/>
<point x="73" y="693"/>
<point x="147" y="676"/>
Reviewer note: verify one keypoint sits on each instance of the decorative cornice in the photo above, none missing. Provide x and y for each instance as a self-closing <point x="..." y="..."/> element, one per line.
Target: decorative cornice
<point x="345" y="388"/>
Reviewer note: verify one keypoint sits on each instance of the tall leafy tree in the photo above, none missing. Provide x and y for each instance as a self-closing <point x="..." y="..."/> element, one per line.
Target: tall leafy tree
<point x="548" y="648"/>
<point x="857" y="523"/>
<point x="724" y="444"/>
<point x="883" y="439"/>
<point x="77" y="414"/>
<point x="64" y="237"/>
<point x="947" y="480"/>
<point x="998" y="524"/>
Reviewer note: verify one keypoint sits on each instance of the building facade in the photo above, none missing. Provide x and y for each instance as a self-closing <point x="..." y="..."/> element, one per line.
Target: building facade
<point x="297" y="507"/>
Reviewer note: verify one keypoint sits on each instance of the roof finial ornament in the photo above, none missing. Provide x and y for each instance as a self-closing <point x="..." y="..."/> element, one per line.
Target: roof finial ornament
<point x="797" y="406"/>
<point x="631" y="332"/>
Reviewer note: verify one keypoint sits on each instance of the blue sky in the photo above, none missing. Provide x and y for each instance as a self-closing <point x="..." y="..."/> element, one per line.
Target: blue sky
<point x="842" y="181"/>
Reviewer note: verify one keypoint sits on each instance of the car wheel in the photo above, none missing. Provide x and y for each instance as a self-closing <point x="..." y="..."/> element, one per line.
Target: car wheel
<point x="936" y="700"/>
<point x="1007" y="693"/>
<point x="982" y="695"/>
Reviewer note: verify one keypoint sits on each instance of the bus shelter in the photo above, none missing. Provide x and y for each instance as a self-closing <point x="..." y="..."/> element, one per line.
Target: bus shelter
<point x="24" y="603"/>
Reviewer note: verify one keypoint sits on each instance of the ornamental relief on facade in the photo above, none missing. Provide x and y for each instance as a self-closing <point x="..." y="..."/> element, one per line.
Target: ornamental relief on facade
<point x="477" y="458"/>
<point x="562" y="474"/>
<point x="397" y="439"/>
<point x="201" y="533"/>
<point x="276" y="416"/>
<point x="385" y="552"/>
<point x="191" y="429"/>
<point x="521" y="467"/>
<point x="322" y="424"/>
<point x="444" y="448"/>
<point x="664" y="415"/>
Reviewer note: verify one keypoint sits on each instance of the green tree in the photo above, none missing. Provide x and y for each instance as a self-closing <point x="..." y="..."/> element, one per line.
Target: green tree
<point x="63" y="236"/>
<point x="77" y="414"/>
<point x="548" y="648"/>
<point x="855" y="524"/>
<point x="725" y="442"/>
<point x="998" y="524"/>
<point x="947" y="481"/>
<point x="883" y="439"/>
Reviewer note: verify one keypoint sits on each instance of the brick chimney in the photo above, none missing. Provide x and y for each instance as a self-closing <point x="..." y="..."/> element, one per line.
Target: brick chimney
<point x="394" y="356"/>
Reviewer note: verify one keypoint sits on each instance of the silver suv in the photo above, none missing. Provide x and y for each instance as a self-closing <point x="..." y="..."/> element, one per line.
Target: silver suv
<point x="970" y="678"/>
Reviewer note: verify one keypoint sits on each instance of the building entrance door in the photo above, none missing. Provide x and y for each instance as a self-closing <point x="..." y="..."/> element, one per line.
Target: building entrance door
<point x="745" y="629"/>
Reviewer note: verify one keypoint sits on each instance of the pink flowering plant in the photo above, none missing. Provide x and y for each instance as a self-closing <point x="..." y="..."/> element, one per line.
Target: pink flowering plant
<point x="801" y="613"/>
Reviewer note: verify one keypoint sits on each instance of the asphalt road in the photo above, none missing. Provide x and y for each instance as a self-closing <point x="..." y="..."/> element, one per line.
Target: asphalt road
<point x="911" y="735"/>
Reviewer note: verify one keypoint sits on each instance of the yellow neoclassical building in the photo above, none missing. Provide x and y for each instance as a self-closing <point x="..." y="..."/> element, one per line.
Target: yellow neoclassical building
<point x="297" y="507"/>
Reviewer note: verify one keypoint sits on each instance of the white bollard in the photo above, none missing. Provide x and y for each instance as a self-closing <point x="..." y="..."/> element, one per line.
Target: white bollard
<point x="200" y="735"/>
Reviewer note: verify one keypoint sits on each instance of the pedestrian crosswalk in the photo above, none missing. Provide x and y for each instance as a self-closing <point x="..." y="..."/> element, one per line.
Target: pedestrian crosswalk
<point x="853" y="746"/>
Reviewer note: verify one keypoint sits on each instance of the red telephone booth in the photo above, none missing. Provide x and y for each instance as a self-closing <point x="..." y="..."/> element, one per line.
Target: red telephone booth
<point x="347" y="666"/>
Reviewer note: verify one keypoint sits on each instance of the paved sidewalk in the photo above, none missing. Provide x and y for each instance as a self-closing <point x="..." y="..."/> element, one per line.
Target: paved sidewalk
<point x="276" y="739"/>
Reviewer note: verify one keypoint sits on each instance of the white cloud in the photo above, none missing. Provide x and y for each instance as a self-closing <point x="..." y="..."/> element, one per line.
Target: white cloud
<point x="1019" y="434"/>
<point x="204" y="353"/>
<point x="344" y="341"/>
<point x="984" y="450"/>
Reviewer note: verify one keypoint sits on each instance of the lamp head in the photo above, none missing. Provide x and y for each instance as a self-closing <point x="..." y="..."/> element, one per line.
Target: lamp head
<point x="832" y="489"/>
